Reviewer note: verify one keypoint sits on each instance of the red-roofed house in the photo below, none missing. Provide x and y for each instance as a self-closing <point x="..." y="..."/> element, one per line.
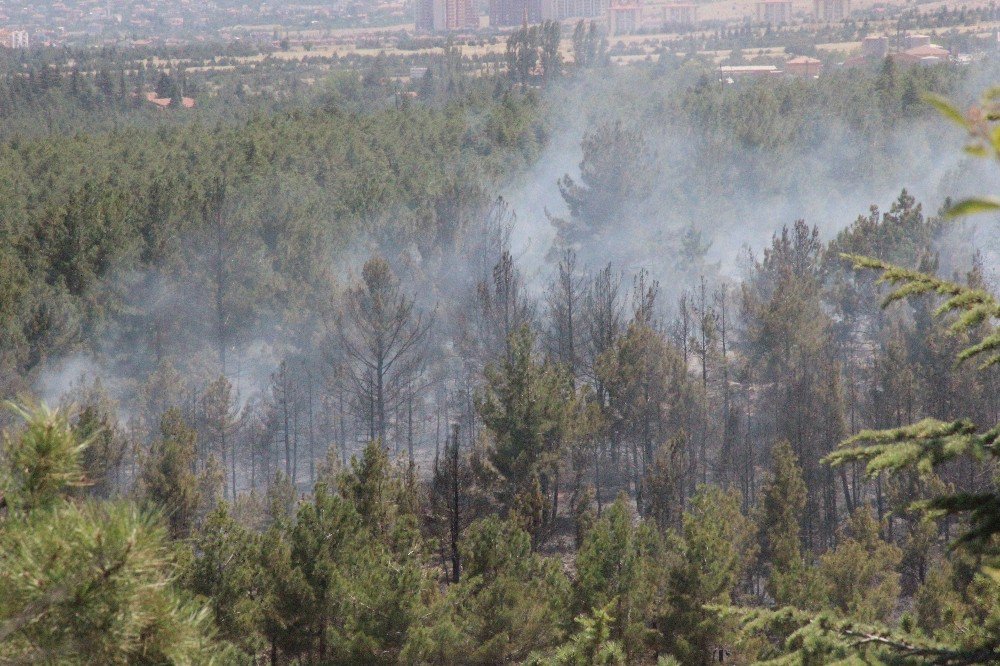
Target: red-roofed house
<point x="929" y="54"/>
<point x="804" y="66"/>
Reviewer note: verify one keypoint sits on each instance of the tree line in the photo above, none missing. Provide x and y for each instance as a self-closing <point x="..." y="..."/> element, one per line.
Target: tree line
<point x="426" y="456"/>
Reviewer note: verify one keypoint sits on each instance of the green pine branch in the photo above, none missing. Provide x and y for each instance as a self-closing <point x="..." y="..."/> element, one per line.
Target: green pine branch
<point x="923" y="445"/>
<point x="930" y="443"/>
<point x="800" y="636"/>
<point x="973" y="306"/>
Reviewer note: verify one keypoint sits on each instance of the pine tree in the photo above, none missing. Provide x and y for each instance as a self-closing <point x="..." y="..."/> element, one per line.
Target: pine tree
<point x="279" y="502"/>
<point x="932" y="442"/>
<point x="382" y="494"/>
<point x="168" y="480"/>
<point x="285" y="597"/>
<point x="227" y="569"/>
<point x="861" y="574"/>
<point x="780" y="529"/>
<point x="83" y="581"/>
<point x="649" y="400"/>
<point x="525" y="406"/>
<point x="104" y="456"/>
<point x="859" y="571"/>
<point x="616" y="172"/>
<point x="230" y="273"/>
<point x="793" y="636"/>
<point x="502" y="303"/>
<point x="451" y="501"/>
<point x="619" y="568"/>
<point x="717" y="552"/>
<point x="564" y="305"/>
<point x="938" y="606"/>
<point x="382" y="334"/>
<point x="510" y="603"/>
<point x="219" y="419"/>
<point x="664" y="484"/>
<point x="789" y="349"/>
<point x="590" y="646"/>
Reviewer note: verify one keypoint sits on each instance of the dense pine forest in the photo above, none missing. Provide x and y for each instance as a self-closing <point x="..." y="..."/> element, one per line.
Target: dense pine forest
<point x="554" y="365"/>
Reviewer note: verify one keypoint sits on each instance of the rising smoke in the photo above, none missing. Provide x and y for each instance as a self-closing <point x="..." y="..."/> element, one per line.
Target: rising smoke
<point x="735" y="196"/>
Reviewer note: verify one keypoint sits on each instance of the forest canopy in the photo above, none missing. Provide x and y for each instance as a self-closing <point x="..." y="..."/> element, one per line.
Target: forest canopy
<point x="546" y="367"/>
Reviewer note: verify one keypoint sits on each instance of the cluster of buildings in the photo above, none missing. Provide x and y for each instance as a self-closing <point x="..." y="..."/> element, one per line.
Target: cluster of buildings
<point x="505" y="13"/>
<point x="459" y="15"/>
<point x="799" y="66"/>
<point x="629" y="16"/>
<point x="831" y="10"/>
<point x="912" y="49"/>
<point x="63" y="22"/>
<point x="909" y="49"/>
<point x="559" y="10"/>
<point x="774" y="12"/>
<point x="621" y="16"/>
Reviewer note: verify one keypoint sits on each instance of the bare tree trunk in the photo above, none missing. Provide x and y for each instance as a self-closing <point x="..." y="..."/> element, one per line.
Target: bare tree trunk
<point x="555" y="492"/>
<point x="685" y="328"/>
<point x="437" y="438"/>
<point x="373" y="431"/>
<point x="597" y="477"/>
<point x="726" y="425"/>
<point x="285" y="415"/>
<point x="253" y="464"/>
<point x="224" y="450"/>
<point x="703" y="450"/>
<point x="265" y="459"/>
<point x="322" y="641"/>
<point x="380" y="402"/>
<point x="748" y="484"/>
<point x="220" y="293"/>
<point x="295" y="447"/>
<point x="343" y="429"/>
<point x="637" y="478"/>
<point x="233" y="459"/>
<point x="456" y="561"/>
<point x="312" y="441"/>
<point x="409" y="426"/>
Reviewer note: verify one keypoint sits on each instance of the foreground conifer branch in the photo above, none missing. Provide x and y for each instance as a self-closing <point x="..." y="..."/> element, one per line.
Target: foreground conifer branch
<point x="921" y="447"/>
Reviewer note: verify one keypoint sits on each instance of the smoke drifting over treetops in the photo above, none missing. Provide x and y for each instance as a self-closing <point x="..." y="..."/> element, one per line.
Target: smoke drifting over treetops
<point x="736" y="196"/>
<point x="682" y="176"/>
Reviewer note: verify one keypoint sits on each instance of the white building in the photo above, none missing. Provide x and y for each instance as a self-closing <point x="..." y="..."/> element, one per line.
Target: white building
<point x="14" y="39"/>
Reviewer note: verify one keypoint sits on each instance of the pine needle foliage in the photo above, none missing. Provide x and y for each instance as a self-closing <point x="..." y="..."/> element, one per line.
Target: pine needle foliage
<point x="972" y="307"/>
<point x="41" y="462"/>
<point x="85" y="582"/>
<point x="590" y="646"/>
<point x="931" y="442"/>
<point x="802" y="637"/>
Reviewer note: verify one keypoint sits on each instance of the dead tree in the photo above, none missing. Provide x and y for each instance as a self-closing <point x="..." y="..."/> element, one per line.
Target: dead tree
<point x="382" y="335"/>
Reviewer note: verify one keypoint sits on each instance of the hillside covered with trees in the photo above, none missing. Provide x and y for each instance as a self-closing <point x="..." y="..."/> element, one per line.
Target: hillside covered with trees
<point x="287" y="384"/>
